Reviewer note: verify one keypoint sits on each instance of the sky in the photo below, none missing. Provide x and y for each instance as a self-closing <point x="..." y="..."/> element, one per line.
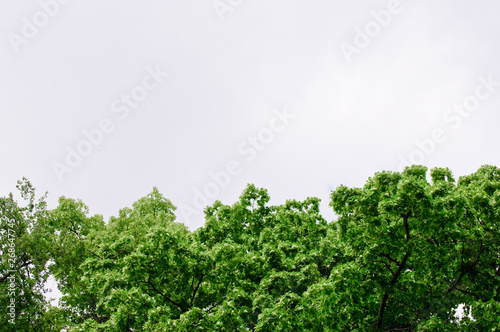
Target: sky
<point x="104" y="100"/>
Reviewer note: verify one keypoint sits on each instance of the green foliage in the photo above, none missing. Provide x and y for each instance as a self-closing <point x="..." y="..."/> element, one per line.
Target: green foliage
<point x="417" y="249"/>
<point x="25" y="244"/>
<point x="406" y="250"/>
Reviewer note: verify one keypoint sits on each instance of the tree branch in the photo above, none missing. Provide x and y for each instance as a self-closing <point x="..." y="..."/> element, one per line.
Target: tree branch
<point x="196" y="289"/>
<point x="465" y="271"/>
<point x="381" y="310"/>
<point x="386" y="265"/>
<point x="383" y="304"/>
<point x="164" y="296"/>
<point x="390" y="258"/>
<point x="477" y="297"/>
<point x="18" y="268"/>
<point x="400" y="269"/>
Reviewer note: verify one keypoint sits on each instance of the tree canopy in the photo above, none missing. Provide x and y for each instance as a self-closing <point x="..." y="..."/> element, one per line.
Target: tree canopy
<point x="405" y="251"/>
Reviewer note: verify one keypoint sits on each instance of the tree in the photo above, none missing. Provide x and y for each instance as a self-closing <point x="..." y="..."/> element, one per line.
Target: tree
<point x="417" y="249"/>
<point x="405" y="251"/>
<point x="72" y="232"/>
<point x="245" y="268"/>
<point x="266" y="258"/>
<point x="25" y="244"/>
<point x="139" y="266"/>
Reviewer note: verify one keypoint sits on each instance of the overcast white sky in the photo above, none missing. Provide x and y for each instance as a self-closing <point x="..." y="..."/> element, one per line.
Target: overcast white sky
<point x="362" y="81"/>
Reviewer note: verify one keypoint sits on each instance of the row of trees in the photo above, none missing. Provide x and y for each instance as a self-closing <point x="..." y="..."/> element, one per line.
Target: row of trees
<point x="405" y="251"/>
